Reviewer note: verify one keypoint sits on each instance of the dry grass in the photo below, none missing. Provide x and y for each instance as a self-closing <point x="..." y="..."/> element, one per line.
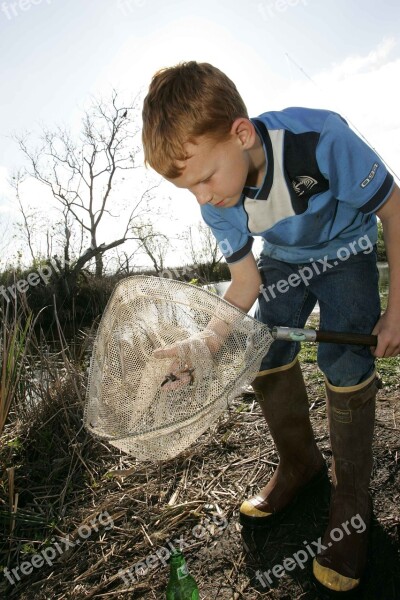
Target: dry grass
<point x="64" y="479"/>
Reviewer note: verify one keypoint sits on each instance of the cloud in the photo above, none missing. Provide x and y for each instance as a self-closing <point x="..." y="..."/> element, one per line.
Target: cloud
<point x="353" y="65"/>
<point x="361" y="89"/>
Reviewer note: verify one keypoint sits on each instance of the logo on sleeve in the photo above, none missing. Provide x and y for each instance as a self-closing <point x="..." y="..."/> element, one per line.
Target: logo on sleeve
<point x="303" y="183"/>
<point x="371" y="175"/>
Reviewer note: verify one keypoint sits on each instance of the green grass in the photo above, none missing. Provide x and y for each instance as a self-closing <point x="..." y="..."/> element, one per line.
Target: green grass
<point x="389" y="371"/>
<point x="388" y="368"/>
<point x="308" y="353"/>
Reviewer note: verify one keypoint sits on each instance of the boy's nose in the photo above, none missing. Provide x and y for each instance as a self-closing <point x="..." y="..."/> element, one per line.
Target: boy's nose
<point x="203" y="197"/>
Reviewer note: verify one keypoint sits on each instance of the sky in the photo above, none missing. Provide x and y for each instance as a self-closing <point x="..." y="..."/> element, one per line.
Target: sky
<point x="57" y="54"/>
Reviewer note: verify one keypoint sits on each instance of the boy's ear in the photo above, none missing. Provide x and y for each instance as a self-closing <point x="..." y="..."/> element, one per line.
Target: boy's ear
<point x="243" y="129"/>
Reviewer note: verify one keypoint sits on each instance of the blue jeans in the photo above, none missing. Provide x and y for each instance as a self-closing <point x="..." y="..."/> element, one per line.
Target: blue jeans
<point x="348" y="294"/>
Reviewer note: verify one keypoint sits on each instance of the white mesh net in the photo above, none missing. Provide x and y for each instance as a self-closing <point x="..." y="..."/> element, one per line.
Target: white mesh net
<point x="131" y="399"/>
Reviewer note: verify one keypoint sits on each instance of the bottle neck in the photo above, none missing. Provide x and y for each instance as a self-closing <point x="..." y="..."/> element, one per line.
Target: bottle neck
<point x="178" y="567"/>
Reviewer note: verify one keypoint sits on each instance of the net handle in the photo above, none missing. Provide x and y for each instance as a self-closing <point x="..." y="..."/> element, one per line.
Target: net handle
<point x="294" y="334"/>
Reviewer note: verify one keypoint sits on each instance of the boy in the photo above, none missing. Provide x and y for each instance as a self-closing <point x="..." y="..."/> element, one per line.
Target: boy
<point x="304" y="182"/>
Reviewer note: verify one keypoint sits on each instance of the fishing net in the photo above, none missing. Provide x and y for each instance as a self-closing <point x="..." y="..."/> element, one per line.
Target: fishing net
<point x="153" y="408"/>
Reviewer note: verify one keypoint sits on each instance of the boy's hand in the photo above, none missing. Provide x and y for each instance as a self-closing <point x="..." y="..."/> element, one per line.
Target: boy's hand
<point x="388" y="326"/>
<point x="180" y="371"/>
<point x="388" y="331"/>
<point x="179" y="378"/>
<point x="196" y="349"/>
<point x="207" y="337"/>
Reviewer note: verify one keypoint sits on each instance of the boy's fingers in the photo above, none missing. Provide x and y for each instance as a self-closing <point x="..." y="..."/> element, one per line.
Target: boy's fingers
<point x="183" y="379"/>
<point x="175" y="385"/>
<point x="165" y="352"/>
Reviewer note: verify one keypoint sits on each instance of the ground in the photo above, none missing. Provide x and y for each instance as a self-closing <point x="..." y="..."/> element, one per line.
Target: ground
<point x="193" y="500"/>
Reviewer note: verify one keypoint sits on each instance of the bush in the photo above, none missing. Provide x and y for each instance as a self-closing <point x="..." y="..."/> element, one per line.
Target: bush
<point x="381" y="244"/>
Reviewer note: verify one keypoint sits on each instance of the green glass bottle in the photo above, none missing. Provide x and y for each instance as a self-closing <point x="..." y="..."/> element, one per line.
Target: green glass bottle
<point x="181" y="585"/>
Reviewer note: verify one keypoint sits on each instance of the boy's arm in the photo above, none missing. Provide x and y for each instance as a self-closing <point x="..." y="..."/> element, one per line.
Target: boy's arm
<point x="388" y="327"/>
<point x="242" y="292"/>
<point x="245" y="283"/>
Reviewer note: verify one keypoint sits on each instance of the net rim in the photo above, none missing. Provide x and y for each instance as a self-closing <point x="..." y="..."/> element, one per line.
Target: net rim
<point x="225" y="395"/>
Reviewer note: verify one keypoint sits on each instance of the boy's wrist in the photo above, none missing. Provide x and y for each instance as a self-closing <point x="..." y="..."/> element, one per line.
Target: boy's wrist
<point x="212" y="340"/>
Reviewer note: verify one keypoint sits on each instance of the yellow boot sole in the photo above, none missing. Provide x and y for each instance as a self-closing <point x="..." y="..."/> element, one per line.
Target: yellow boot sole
<point x="333" y="580"/>
<point x="250" y="516"/>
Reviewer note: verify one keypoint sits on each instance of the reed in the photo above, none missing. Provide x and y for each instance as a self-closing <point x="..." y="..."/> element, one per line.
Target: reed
<point x="15" y="337"/>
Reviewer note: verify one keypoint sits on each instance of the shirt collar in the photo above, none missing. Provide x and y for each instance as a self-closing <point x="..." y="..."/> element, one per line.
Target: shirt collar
<point x="262" y="192"/>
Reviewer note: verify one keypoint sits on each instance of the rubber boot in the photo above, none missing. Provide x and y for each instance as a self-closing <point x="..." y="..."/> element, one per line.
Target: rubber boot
<point x="351" y="414"/>
<point x="282" y="396"/>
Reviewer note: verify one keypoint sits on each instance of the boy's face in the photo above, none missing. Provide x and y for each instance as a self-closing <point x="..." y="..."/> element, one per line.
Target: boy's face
<point x="217" y="172"/>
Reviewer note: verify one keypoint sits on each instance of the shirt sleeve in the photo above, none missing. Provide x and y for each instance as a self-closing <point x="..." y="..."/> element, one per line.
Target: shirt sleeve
<point x="233" y="243"/>
<point x="355" y="172"/>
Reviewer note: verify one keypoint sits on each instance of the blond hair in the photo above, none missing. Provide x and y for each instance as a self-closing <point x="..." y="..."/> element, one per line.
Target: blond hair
<point x="184" y="102"/>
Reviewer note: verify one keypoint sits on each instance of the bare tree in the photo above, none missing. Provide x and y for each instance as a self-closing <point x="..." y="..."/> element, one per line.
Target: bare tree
<point x="85" y="175"/>
<point x="5" y="227"/>
<point x="154" y="246"/>
<point x="29" y="217"/>
<point x="202" y="247"/>
<point x="123" y="261"/>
